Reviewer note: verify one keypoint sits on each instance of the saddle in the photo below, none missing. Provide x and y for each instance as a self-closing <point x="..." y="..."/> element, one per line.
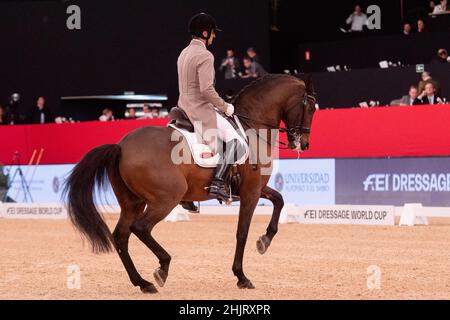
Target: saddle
<point x="180" y="119"/>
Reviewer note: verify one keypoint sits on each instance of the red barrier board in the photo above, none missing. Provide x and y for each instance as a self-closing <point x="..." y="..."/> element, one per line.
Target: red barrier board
<point x="342" y="133"/>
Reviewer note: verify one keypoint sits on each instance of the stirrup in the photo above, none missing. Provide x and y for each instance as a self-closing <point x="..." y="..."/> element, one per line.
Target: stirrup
<point x="225" y="196"/>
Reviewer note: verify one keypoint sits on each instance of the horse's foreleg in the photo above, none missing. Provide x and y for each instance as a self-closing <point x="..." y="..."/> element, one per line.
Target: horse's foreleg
<point x="276" y="198"/>
<point x="248" y="205"/>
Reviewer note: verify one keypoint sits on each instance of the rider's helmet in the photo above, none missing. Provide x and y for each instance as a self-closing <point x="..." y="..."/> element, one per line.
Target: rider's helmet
<point x="202" y="22"/>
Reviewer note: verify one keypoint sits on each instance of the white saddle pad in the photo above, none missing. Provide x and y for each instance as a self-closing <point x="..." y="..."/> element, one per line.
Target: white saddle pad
<point x="202" y="153"/>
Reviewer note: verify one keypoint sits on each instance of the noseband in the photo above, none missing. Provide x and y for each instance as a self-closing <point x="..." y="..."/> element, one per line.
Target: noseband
<point x="299" y="128"/>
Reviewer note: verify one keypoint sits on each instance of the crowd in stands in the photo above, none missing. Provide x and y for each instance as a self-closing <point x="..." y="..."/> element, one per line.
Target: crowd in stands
<point x="249" y="67"/>
<point x="357" y="21"/>
<point x="148" y="112"/>
<point x="426" y="92"/>
<point x="40" y="114"/>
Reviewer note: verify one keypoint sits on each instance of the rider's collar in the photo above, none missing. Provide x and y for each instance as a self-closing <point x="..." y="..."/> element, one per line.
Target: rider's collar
<point x="197" y="41"/>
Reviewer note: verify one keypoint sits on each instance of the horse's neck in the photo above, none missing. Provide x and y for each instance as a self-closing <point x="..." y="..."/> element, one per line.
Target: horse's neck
<point x="265" y="115"/>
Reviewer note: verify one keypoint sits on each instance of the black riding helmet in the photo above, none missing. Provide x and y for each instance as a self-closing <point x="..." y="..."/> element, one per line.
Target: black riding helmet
<point x="202" y="22"/>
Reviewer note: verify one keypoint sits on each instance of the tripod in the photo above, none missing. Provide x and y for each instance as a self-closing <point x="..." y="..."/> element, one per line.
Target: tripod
<point x="23" y="182"/>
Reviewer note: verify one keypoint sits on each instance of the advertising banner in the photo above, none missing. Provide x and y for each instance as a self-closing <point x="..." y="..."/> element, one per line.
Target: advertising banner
<point x="393" y="181"/>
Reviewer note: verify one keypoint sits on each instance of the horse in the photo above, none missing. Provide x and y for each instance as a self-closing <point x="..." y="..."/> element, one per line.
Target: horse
<point x="148" y="185"/>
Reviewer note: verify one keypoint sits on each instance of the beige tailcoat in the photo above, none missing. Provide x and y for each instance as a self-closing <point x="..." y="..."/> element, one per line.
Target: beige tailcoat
<point x="196" y="79"/>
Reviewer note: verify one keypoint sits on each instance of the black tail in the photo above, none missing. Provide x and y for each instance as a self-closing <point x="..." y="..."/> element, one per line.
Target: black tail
<point x="79" y="189"/>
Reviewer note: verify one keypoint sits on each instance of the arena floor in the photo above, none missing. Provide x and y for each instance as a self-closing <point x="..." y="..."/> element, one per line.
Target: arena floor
<point x="304" y="262"/>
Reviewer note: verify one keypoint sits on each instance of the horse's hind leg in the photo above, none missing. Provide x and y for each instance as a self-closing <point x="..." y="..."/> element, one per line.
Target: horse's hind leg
<point x="143" y="227"/>
<point x="121" y="236"/>
<point x="276" y="198"/>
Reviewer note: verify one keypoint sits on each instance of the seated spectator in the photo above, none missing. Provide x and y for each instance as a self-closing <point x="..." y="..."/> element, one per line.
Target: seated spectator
<point x="132" y="114"/>
<point x="155" y="112"/>
<point x="107" y="115"/>
<point x="440" y="8"/>
<point x="426" y="78"/>
<point x="407" y="100"/>
<point x="148" y="113"/>
<point x="251" y="53"/>
<point x="252" y="69"/>
<point x="429" y="96"/>
<point x="357" y="20"/>
<point x="3" y="117"/>
<point x="407" y="29"/>
<point x="40" y="114"/>
<point x="421" y="28"/>
<point x="231" y="65"/>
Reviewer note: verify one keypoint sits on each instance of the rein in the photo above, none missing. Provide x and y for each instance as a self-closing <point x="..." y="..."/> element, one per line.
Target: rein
<point x="289" y="131"/>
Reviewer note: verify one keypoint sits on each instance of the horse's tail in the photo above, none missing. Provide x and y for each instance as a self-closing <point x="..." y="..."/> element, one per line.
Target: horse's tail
<point x="94" y="168"/>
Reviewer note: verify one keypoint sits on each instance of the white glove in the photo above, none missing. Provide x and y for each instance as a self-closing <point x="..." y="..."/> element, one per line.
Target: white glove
<point x="230" y="110"/>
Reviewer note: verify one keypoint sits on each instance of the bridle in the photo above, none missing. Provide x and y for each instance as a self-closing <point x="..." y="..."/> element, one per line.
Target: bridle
<point x="290" y="132"/>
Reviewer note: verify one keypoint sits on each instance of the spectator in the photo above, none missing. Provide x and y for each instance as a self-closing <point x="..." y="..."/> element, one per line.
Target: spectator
<point x="421" y="28"/>
<point x="432" y="6"/>
<point x="429" y="96"/>
<point x="407" y="100"/>
<point x="41" y="114"/>
<point x="426" y="78"/>
<point x="107" y="115"/>
<point x="132" y="114"/>
<point x="440" y="8"/>
<point x="251" y="53"/>
<point x="407" y="29"/>
<point x="442" y="56"/>
<point x="357" y="20"/>
<point x="231" y="65"/>
<point x="3" y="117"/>
<point x="252" y="69"/>
<point x="148" y="113"/>
<point x="155" y="113"/>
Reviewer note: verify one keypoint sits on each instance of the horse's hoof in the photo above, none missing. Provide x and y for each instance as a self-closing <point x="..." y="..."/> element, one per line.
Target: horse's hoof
<point x="160" y="277"/>
<point x="247" y="284"/>
<point x="263" y="244"/>
<point x="149" y="289"/>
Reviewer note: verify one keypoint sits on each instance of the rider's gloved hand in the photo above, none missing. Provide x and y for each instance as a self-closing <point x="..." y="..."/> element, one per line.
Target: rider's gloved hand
<point x="230" y="110"/>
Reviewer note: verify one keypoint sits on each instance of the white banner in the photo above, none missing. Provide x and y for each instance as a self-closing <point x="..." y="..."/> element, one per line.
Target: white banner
<point x="32" y="211"/>
<point x="347" y="214"/>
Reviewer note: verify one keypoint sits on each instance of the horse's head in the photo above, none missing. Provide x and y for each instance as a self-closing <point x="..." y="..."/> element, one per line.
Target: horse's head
<point x="298" y="117"/>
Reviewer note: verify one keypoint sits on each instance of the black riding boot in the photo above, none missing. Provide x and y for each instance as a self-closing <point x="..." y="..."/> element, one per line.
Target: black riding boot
<point x="217" y="190"/>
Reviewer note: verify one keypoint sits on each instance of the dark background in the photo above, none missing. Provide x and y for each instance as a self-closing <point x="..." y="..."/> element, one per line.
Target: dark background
<point x="129" y="45"/>
<point x="133" y="46"/>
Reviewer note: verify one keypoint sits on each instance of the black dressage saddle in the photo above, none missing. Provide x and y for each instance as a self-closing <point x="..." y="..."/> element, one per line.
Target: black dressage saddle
<point x="180" y="119"/>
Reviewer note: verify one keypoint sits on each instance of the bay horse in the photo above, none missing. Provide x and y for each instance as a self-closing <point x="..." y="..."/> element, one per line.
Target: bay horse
<point x="148" y="185"/>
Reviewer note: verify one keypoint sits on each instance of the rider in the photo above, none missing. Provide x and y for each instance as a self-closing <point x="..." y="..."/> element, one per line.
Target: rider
<point x="199" y="99"/>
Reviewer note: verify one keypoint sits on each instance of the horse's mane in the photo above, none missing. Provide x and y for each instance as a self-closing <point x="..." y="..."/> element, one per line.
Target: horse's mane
<point x="260" y="82"/>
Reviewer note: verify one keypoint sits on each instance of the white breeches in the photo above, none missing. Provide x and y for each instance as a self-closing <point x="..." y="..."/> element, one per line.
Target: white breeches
<point x="225" y="130"/>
